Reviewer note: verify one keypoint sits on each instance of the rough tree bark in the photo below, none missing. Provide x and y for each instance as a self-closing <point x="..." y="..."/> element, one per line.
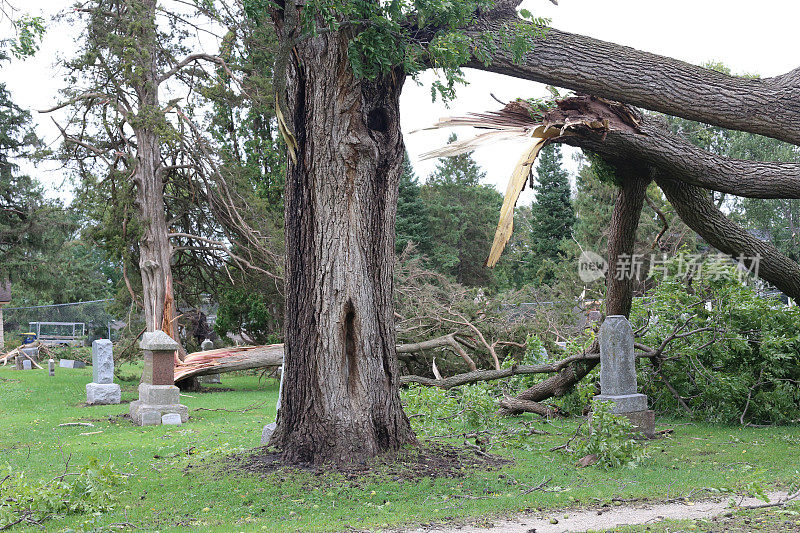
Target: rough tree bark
<point x="155" y="249"/>
<point x="343" y="404"/>
<point x="768" y="106"/>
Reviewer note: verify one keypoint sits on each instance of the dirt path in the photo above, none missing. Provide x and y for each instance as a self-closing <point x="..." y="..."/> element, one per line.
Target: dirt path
<point x="602" y="518"/>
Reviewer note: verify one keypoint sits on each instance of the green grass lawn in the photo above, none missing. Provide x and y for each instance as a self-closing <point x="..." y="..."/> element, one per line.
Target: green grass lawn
<point x="177" y="480"/>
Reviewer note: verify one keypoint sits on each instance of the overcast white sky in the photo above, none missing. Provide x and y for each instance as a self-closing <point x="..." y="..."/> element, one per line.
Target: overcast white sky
<point x="749" y="37"/>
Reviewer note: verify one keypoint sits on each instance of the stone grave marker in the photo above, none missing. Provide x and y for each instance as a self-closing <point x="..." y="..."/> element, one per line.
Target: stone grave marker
<point x="102" y="390"/>
<point x="211" y="378"/>
<point x="71" y="363"/>
<point x="618" y="374"/>
<point x="158" y="394"/>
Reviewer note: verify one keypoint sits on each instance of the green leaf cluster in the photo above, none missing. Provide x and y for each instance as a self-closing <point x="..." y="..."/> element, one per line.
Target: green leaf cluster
<point x="93" y="488"/>
<point x="609" y="437"/>
<point x="742" y="362"/>
<point x="413" y="35"/>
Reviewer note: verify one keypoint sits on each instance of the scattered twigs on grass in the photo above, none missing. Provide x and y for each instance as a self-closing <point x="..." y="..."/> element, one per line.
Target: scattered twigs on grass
<point x="251" y="407"/>
<point x="574" y="436"/>
<point x="788" y="499"/>
<point x="540" y="486"/>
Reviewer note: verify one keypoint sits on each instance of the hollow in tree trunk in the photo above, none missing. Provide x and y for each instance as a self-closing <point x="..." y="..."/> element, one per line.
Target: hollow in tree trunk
<point x="340" y="401"/>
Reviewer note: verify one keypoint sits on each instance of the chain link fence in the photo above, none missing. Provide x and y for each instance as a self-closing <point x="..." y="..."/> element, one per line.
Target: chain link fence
<point x="73" y="324"/>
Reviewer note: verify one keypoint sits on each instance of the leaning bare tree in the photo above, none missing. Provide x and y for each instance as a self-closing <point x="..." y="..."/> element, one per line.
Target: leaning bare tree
<point x="133" y="138"/>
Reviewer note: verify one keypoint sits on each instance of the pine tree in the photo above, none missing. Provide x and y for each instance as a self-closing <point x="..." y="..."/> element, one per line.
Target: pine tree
<point x="463" y="218"/>
<point x="552" y="214"/>
<point x="412" y="223"/>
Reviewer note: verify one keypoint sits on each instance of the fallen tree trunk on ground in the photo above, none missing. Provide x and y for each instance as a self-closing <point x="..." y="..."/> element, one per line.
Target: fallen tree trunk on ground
<point x="515" y="405"/>
<point x="250" y="357"/>
<point x="229" y="360"/>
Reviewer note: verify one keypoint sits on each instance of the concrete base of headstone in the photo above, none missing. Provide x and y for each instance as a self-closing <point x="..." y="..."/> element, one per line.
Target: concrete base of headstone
<point x="624" y="403"/>
<point x="267" y="432"/>
<point x="644" y="422"/>
<point x="103" y="393"/>
<point x="154" y="402"/>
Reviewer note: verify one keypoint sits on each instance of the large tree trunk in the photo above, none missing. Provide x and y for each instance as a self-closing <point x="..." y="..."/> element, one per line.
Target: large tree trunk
<point x="341" y="401"/>
<point x="155" y="249"/>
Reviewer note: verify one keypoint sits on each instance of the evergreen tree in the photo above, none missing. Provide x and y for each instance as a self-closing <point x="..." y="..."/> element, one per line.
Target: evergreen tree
<point x="537" y="246"/>
<point x="412" y="223"/>
<point x="552" y="215"/>
<point x="463" y="218"/>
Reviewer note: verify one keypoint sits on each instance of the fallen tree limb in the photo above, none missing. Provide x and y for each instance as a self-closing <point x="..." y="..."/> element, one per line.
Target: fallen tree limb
<point x="516" y="405"/>
<point x="790" y="498"/>
<point x="449" y="341"/>
<point x="225" y="360"/>
<point x="767" y="106"/>
<point x="229" y="360"/>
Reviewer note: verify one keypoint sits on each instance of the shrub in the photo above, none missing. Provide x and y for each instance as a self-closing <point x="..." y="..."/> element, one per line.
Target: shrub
<point x="743" y="366"/>
<point x="92" y="489"/>
<point x="608" y="437"/>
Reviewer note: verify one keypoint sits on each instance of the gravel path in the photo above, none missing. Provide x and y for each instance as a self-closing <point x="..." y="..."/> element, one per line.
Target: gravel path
<point x="604" y="517"/>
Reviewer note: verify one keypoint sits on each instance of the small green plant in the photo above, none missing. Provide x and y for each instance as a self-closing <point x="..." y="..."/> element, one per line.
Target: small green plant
<point x="608" y="437"/>
<point x="94" y="488"/>
<point x="435" y="411"/>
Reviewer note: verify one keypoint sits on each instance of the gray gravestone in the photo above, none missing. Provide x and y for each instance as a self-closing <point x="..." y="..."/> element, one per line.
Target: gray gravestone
<point x="211" y="378"/>
<point x="102" y="390"/>
<point x="26" y="365"/>
<point x="269" y="429"/>
<point x="51" y="367"/>
<point x="32" y="353"/>
<point x="102" y="361"/>
<point x="171" y="419"/>
<point x="71" y="363"/>
<point x="267" y="432"/>
<point x="618" y="371"/>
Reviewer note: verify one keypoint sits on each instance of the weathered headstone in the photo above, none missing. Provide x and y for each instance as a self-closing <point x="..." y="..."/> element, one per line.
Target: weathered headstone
<point x="618" y="374"/>
<point x="71" y="363"/>
<point x="171" y="419"/>
<point x="102" y="390"/>
<point x="51" y="367"/>
<point x="267" y="432"/>
<point x="211" y="378"/>
<point x="18" y="361"/>
<point x="26" y="365"/>
<point x="102" y="361"/>
<point x="32" y="353"/>
<point x="158" y="394"/>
